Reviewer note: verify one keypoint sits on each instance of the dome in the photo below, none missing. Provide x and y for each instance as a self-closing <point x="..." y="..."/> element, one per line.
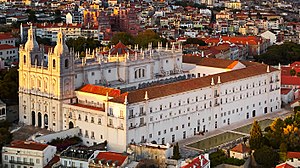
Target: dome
<point x="61" y="47"/>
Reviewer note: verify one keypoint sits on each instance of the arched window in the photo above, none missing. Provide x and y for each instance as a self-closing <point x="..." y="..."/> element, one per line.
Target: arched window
<point x="66" y="63"/>
<point x="24" y="59"/>
<point x="53" y="63"/>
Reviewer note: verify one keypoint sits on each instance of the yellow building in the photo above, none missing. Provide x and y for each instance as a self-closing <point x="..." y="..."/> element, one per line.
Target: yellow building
<point x="233" y="5"/>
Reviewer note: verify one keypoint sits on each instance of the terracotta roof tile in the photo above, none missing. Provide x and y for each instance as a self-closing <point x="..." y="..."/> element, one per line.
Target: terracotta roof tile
<point x="285" y="91"/>
<point x="241" y="148"/>
<point x="89" y="107"/>
<point x="285" y="165"/>
<point x="121" y="49"/>
<point x="191" y="84"/>
<point x="28" y="145"/>
<point x="119" y="158"/>
<point x="6" y="47"/>
<point x="6" y="36"/>
<point x="293" y="155"/>
<point x="100" y="90"/>
<point x="196" y="163"/>
<point x="211" y="62"/>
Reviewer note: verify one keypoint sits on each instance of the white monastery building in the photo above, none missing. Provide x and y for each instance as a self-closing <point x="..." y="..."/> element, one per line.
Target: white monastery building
<point x="128" y="95"/>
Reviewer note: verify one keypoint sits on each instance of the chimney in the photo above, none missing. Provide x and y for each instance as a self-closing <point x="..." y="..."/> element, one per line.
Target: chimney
<point x="268" y="69"/>
<point x="212" y="81"/>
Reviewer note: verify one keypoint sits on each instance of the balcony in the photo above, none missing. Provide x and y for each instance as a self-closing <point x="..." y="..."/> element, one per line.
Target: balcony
<point x="121" y="127"/>
<point x="271" y="81"/>
<point x="131" y="116"/>
<point x="121" y="117"/>
<point x="271" y="90"/>
<point x="21" y="162"/>
<point x="131" y="127"/>
<point x="217" y="104"/>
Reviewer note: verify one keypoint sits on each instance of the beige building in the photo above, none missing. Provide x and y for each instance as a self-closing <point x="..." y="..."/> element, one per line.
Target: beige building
<point x="240" y="151"/>
<point x="28" y="154"/>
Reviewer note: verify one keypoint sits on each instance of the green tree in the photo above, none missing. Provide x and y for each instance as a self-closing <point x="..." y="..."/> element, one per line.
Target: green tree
<point x="9" y="84"/>
<point x="176" y="154"/>
<point x="31" y="16"/>
<point x="274" y="134"/>
<point x="292" y="72"/>
<point x="285" y="54"/>
<point x="146" y="37"/>
<point x="125" y="38"/>
<point x="195" y="41"/>
<point x="266" y="156"/>
<point x="256" y="137"/>
<point x="57" y="16"/>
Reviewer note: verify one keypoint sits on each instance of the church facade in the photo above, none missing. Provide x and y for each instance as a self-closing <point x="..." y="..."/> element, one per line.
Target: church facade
<point x="126" y="95"/>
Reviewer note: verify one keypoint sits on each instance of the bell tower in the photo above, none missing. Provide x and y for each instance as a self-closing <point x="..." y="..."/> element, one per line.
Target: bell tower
<point x="61" y="63"/>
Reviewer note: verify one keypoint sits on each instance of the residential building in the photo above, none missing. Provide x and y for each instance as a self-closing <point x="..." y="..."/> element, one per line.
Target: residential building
<point x="8" y="53"/>
<point x="240" y="151"/>
<point x="77" y="157"/>
<point x="159" y="153"/>
<point x="28" y="154"/>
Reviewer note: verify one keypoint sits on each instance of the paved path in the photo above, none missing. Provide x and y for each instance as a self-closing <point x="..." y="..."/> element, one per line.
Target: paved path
<point x="282" y="113"/>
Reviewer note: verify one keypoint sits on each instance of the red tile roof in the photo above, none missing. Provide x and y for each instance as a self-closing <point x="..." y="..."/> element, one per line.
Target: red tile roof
<point x="251" y="40"/>
<point x="293" y="155"/>
<point x="196" y="162"/>
<point x="290" y="80"/>
<point x="121" y="49"/>
<point x="285" y="91"/>
<point x="6" y="36"/>
<point x="113" y="156"/>
<point x="211" y="62"/>
<point x="28" y="145"/>
<point x="89" y="107"/>
<point x="6" y="47"/>
<point x="100" y="90"/>
<point x="191" y="84"/>
<point x="285" y="165"/>
<point x="241" y="148"/>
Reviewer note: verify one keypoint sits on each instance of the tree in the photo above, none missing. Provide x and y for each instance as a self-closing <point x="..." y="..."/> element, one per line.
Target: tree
<point x="9" y="84"/>
<point x="176" y="154"/>
<point x="57" y="16"/>
<point x="195" y="41"/>
<point x="274" y="134"/>
<point x="285" y="54"/>
<point x="146" y="37"/>
<point x="256" y="138"/>
<point x="31" y="16"/>
<point x="124" y="37"/>
<point x="292" y="72"/>
<point x="266" y="156"/>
